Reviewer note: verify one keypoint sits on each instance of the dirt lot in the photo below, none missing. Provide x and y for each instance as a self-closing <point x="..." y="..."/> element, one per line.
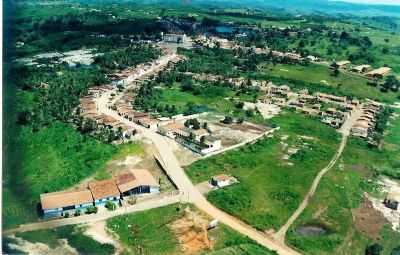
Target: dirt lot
<point x="368" y="220"/>
<point x="42" y="249"/>
<point x="191" y="231"/>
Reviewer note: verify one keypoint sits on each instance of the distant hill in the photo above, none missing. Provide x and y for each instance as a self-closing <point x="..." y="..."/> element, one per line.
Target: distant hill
<point x="297" y="6"/>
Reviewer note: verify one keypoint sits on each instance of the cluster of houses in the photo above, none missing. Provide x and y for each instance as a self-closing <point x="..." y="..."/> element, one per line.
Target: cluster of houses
<point x="332" y="110"/>
<point x="364" y="69"/>
<point x="88" y="110"/>
<point x="99" y="193"/>
<point x="198" y="140"/>
<point x="365" y="124"/>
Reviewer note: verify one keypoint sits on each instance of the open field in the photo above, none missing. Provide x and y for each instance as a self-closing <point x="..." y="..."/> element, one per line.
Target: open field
<point x="272" y="182"/>
<point x="210" y="98"/>
<point x="341" y="192"/>
<point x="319" y="78"/>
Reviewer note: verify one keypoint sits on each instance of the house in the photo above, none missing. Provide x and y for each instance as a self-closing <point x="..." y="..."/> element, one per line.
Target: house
<point x="169" y="130"/>
<point x="137" y="181"/>
<point x="148" y="123"/>
<point x="199" y="133"/>
<point x="103" y="191"/>
<point x="392" y="201"/>
<point x="176" y="38"/>
<point x="127" y="131"/>
<point x="361" y="68"/>
<point x="379" y="73"/>
<point x="330" y="98"/>
<point x="58" y="204"/>
<point x="361" y="128"/>
<point x="343" y="63"/>
<point x="222" y="180"/>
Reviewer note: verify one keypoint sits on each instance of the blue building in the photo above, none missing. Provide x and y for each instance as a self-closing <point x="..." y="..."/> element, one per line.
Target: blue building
<point x="58" y="204"/>
<point x="135" y="182"/>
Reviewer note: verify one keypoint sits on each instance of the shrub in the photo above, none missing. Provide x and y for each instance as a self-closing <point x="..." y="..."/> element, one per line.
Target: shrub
<point x="91" y="209"/>
<point x="110" y="206"/>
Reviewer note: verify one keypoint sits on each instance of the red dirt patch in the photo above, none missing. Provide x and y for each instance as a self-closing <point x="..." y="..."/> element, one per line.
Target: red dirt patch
<point x="191" y="231"/>
<point x="368" y="220"/>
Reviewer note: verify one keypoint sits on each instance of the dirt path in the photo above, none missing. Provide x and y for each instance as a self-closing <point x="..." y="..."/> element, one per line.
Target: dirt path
<point x="345" y="131"/>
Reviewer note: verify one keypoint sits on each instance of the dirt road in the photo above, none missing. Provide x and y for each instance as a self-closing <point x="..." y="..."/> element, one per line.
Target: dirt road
<point x="345" y="131"/>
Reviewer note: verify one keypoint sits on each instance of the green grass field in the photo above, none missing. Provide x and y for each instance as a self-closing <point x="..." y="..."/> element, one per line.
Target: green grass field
<point x="341" y="191"/>
<point x="318" y="77"/>
<point x="52" y="159"/>
<point x="216" y="99"/>
<point x="270" y="189"/>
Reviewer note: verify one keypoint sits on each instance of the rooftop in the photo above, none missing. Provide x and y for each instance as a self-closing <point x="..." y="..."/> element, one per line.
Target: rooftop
<point x="66" y="198"/>
<point x="103" y="189"/>
<point x="133" y="178"/>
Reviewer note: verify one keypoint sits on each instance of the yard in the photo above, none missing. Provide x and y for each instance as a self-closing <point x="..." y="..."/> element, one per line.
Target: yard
<point x="274" y="173"/>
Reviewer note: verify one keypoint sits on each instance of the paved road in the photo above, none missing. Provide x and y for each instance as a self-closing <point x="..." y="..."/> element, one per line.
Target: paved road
<point x="345" y="131"/>
<point x="100" y="216"/>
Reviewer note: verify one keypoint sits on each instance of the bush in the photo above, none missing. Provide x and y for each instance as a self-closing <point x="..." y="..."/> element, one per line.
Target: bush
<point x="227" y="120"/>
<point x="374" y="249"/>
<point x="91" y="209"/>
<point x="110" y="206"/>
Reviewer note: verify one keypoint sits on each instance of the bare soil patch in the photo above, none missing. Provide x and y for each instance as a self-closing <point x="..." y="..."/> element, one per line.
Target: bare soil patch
<point x="191" y="231"/>
<point x="43" y="249"/>
<point x="368" y="220"/>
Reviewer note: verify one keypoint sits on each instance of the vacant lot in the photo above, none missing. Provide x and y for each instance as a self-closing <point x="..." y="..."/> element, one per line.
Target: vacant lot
<point x="172" y="230"/>
<point x="274" y="173"/>
<point x="52" y="240"/>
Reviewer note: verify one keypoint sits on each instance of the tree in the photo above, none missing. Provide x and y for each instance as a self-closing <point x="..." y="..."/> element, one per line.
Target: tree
<point x="227" y="120"/>
<point x="239" y="105"/>
<point x="391" y="83"/>
<point x="396" y="251"/>
<point x="374" y="249"/>
<point x="192" y="123"/>
<point x="187" y="85"/>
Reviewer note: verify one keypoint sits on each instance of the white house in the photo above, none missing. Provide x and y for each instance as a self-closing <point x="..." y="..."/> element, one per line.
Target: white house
<point x="223" y="180"/>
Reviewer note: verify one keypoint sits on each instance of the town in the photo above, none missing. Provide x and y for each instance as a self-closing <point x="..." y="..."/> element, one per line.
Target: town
<point x="225" y="130"/>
